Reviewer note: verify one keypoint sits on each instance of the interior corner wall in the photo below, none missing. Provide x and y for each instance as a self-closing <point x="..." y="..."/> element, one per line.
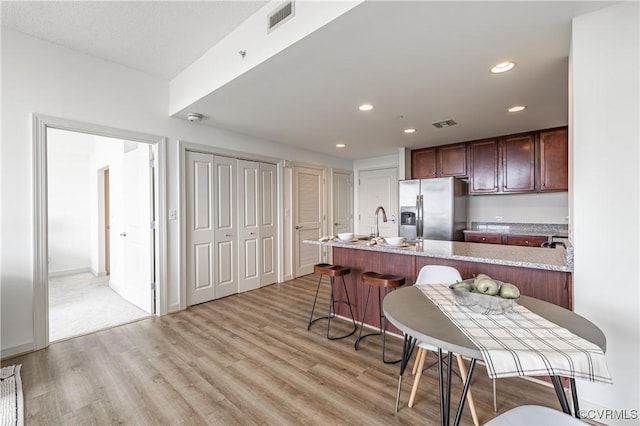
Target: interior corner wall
<point x="605" y="211"/>
<point x="48" y="79"/>
<point x="69" y="208"/>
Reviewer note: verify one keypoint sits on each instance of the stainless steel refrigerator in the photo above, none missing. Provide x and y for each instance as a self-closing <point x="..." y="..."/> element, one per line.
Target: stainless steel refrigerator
<point x="434" y="209"/>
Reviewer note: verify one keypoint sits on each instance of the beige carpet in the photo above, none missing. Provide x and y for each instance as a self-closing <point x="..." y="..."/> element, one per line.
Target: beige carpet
<point x="81" y="304"/>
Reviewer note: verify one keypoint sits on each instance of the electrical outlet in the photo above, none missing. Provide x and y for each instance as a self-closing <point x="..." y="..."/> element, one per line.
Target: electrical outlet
<point x="499" y="218"/>
<point x="173" y="214"/>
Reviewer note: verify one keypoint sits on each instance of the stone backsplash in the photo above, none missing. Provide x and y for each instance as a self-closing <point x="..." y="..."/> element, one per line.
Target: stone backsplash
<point x="522" y="228"/>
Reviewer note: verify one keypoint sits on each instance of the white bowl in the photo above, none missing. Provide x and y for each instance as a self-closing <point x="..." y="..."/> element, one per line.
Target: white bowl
<point x="346" y="236"/>
<point x="394" y="241"/>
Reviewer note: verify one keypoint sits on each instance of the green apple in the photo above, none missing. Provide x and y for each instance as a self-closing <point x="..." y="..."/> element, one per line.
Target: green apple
<point x="463" y="286"/>
<point x="509" y="291"/>
<point x="487" y="286"/>
<point x="482" y="276"/>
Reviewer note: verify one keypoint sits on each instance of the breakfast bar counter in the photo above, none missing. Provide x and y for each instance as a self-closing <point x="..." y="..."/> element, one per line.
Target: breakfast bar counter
<point x="556" y="259"/>
<point x="543" y="273"/>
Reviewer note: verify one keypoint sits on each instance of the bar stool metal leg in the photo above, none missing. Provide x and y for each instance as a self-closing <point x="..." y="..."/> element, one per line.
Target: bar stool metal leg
<point x="313" y="308"/>
<point x="331" y="314"/>
<point x="383" y="326"/>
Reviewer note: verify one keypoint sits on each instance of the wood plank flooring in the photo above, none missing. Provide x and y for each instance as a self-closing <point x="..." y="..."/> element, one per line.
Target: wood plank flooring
<point x="242" y="360"/>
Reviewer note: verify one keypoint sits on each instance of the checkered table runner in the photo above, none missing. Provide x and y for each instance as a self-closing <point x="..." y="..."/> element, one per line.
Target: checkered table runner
<point x="522" y="343"/>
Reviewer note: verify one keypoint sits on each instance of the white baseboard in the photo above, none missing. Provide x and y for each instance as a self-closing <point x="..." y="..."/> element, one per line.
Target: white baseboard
<point x="16" y="350"/>
<point x="98" y="274"/>
<point x="69" y="272"/>
<point x="173" y="308"/>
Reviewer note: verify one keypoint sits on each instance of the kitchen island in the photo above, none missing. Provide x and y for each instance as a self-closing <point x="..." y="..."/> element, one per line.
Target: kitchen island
<point x="543" y="273"/>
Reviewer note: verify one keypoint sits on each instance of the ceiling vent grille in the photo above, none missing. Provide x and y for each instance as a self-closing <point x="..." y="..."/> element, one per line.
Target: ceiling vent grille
<point x="442" y="124"/>
<point x="280" y="16"/>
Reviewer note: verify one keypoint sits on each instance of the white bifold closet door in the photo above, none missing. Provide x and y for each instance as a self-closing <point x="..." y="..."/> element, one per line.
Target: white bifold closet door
<point x="225" y="233"/>
<point x="257" y="228"/>
<point x="199" y="226"/>
<point x="231" y="226"/>
<point x="268" y="224"/>
<point x="249" y="225"/>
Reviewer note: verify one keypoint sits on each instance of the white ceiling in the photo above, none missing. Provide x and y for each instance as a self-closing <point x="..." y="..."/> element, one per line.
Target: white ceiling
<point x="418" y="62"/>
<point x="160" y="38"/>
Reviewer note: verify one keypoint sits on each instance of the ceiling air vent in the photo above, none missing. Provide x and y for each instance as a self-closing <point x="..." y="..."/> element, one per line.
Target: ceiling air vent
<point x="280" y="16"/>
<point x="442" y="124"/>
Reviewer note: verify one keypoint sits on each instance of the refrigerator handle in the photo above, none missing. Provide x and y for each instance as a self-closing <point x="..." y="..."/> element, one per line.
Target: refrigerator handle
<point x="419" y="216"/>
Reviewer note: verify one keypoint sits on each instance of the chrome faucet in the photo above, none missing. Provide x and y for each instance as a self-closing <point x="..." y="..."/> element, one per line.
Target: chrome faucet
<point x="384" y="219"/>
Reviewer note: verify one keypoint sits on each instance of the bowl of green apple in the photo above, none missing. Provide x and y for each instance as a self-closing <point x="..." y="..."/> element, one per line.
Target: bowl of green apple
<point x="485" y="295"/>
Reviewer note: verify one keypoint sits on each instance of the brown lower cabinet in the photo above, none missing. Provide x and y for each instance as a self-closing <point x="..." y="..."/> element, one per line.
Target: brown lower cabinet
<point x="551" y="286"/>
<point x="511" y="240"/>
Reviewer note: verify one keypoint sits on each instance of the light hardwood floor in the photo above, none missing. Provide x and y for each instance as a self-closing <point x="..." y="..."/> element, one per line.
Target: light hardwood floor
<point x="245" y="359"/>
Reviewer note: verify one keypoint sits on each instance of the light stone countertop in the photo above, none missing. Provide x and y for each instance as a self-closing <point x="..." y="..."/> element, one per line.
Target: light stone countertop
<point x="552" y="259"/>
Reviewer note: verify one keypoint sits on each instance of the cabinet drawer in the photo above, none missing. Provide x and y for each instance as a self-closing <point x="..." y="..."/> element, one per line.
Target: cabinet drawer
<point x="525" y="240"/>
<point x="483" y="238"/>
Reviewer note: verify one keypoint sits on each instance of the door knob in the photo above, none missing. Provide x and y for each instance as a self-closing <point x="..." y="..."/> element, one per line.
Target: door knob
<point x="252" y="233"/>
<point x="227" y="235"/>
<point x="298" y="227"/>
<point x="124" y="234"/>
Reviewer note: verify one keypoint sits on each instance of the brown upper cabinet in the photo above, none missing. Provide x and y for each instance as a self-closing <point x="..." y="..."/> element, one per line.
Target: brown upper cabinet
<point x="518" y="155"/>
<point x="442" y="161"/>
<point x="423" y="163"/>
<point x="503" y="165"/>
<point x="525" y="162"/>
<point x="554" y="160"/>
<point x="484" y="161"/>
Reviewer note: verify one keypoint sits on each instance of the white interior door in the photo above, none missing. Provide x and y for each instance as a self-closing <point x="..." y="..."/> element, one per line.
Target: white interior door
<point x="342" y="202"/>
<point x="138" y="233"/>
<point x="225" y="227"/>
<point x="268" y="224"/>
<point x="378" y="188"/>
<point x="308" y="217"/>
<point x="199" y="225"/>
<point x="248" y="226"/>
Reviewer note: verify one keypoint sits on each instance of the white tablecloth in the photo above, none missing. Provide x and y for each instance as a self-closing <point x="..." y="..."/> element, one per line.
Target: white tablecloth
<point x="522" y="343"/>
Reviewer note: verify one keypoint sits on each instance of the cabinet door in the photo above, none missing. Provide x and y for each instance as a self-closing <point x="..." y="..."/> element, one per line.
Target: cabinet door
<point x="483" y="238"/>
<point x="423" y="163"/>
<point x="483" y="172"/>
<point x="518" y="163"/>
<point x="554" y="153"/>
<point x="452" y="160"/>
<point x="526" y="240"/>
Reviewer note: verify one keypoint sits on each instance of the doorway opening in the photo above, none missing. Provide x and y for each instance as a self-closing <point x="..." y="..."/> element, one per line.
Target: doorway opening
<point x="100" y="232"/>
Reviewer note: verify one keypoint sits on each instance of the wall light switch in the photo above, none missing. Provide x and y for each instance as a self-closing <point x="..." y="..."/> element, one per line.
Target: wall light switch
<point x="286" y="213"/>
<point x="173" y="215"/>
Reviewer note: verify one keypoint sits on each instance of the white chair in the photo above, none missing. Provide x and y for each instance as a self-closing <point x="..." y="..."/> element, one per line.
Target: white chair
<point x="438" y="274"/>
<point x="530" y="415"/>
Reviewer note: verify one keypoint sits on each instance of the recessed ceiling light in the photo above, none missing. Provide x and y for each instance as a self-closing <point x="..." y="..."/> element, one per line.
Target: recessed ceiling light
<point x="340" y="145"/>
<point x="503" y="67"/>
<point x="365" y="107"/>
<point x="409" y="130"/>
<point x="517" y="108"/>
